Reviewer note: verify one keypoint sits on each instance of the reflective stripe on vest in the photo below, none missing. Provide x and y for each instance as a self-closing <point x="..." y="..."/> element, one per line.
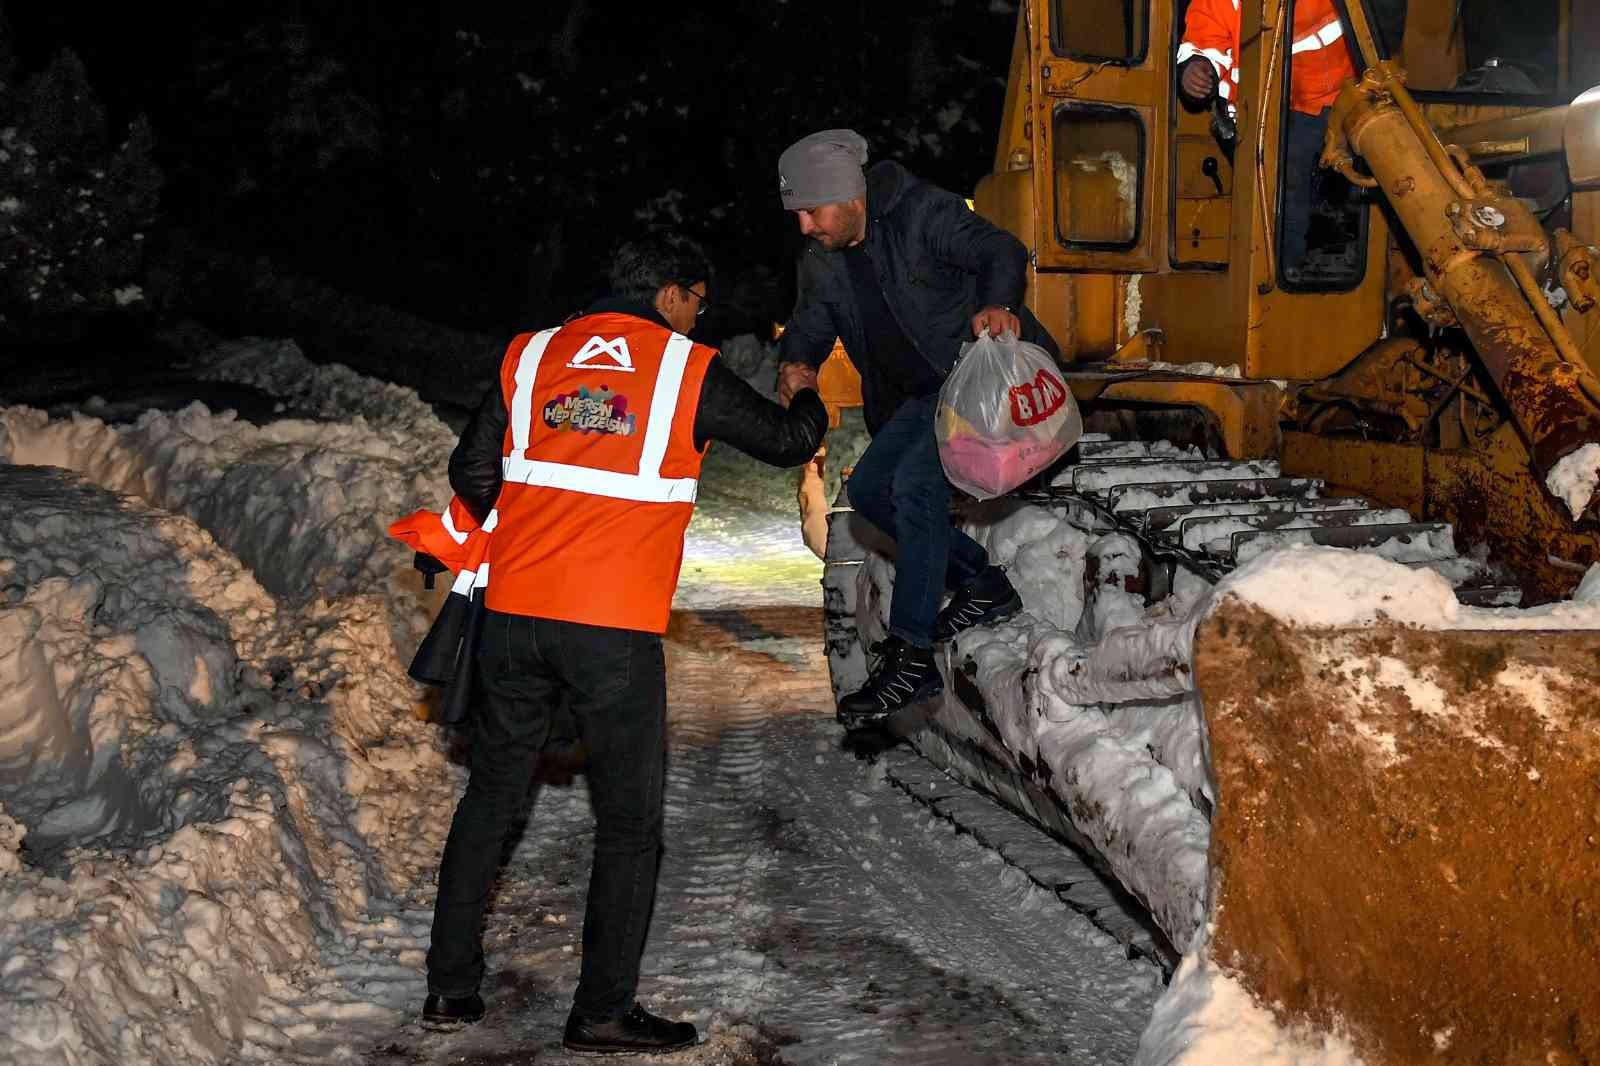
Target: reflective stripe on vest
<point x="470" y="579"/>
<point x="646" y="486"/>
<point x="1320" y="37"/>
<point x="450" y="527"/>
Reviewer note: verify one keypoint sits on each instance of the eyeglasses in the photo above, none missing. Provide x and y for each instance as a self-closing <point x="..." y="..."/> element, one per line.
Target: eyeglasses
<point x="704" y="302"/>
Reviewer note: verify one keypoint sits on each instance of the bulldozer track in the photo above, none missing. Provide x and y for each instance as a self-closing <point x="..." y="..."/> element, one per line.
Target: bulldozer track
<point x="1215" y="515"/>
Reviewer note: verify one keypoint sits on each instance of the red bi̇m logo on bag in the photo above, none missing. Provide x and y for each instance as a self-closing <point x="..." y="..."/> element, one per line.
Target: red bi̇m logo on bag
<point x="1038" y="399"/>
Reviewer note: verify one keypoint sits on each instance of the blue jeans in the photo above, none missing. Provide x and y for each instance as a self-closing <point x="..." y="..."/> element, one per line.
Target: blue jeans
<point x="899" y="486"/>
<point x="1305" y="134"/>
<point x="614" y="682"/>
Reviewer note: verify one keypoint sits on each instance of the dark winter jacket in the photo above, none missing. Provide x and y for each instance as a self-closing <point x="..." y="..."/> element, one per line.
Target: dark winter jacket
<point x="939" y="264"/>
<point x="730" y="411"/>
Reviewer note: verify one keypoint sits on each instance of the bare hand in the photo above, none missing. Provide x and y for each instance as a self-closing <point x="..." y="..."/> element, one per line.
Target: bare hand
<point x="1199" y="79"/>
<point x="792" y="377"/>
<point x="996" y="320"/>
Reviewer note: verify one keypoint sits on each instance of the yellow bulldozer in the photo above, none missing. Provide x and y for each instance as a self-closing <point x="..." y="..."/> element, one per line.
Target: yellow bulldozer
<point x="1386" y="825"/>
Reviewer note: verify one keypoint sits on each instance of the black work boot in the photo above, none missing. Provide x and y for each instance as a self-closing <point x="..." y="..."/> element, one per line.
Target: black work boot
<point x="905" y="675"/>
<point x="633" y="1033"/>
<point x="451" y="1012"/>
<point x="986" y="599"/>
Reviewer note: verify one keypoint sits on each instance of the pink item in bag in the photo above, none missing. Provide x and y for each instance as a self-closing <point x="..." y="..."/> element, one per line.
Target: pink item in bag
<point x="996" y="467"/>
<point x="1005" y="413"/>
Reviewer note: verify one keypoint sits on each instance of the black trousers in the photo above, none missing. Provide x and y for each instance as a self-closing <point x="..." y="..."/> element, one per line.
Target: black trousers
<point x="614" y="683"/>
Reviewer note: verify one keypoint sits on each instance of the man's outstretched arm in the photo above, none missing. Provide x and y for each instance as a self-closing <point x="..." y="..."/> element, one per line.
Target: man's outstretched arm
<point x="734" y="413"/>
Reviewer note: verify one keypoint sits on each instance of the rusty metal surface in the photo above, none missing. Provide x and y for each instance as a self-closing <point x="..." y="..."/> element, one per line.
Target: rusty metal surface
<point x="1399" y="846"/>
<point x="1444" y="210"/>
<point x="1485" y="493"/>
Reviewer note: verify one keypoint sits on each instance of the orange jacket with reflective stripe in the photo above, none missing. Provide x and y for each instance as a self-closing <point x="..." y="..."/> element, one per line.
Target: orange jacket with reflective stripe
<point x="600" y="472"/>
<point x="445" y="535"/>
<point x="1319" y="62"/>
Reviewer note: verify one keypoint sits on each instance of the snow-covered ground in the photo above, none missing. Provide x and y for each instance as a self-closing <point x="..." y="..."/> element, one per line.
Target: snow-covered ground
<point x="223" y="806"/>
<point x="221" y="803"/>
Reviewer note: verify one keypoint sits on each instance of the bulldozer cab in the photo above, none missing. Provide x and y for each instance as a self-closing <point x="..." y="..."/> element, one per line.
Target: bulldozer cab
<point x="1139" y="215"/>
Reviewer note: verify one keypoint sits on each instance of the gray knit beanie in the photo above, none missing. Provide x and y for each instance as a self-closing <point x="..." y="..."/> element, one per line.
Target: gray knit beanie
<point x="824" y="168"/>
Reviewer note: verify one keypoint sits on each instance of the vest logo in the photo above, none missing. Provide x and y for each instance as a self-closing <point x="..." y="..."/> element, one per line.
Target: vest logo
<point x="1037" y="400"/>
<point x="614" y="352"/>
<point x="600" y="411"/>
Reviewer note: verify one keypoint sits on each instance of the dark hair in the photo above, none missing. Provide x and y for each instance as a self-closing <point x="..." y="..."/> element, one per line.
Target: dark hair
<point x="644" y="266"/>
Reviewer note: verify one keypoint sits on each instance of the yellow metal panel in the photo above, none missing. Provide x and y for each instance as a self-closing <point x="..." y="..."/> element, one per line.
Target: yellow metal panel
<point x="1195" y="310"/>
<point x="1432" y="54"/>
<point x="1313" y="335"/>
<point x="1246" y="413"/>
<point x="1144" y="90"/>
<point x="1097" y="314"/>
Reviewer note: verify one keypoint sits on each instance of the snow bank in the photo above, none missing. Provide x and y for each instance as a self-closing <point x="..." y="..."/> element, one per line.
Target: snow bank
<point x="304" y="504"/>
<point x="205" y="730"/>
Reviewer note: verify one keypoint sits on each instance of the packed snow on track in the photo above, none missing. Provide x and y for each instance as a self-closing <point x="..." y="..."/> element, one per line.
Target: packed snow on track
<point x="222" y="806"/>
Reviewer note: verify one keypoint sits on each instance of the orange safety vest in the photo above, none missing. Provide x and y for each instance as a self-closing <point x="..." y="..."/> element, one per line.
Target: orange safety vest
<point x="1319" y="62"/>
<point x="600" y="475"/>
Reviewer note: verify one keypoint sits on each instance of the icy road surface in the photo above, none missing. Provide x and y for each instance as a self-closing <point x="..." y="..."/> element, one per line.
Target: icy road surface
<point x="808" y="912"/>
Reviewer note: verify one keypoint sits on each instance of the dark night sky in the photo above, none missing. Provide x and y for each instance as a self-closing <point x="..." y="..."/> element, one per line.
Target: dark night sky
<point x="472" y="163"/>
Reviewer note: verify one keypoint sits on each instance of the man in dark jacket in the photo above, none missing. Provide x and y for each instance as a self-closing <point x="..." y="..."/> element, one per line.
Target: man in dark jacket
<point x="903" y="273"/>
<point x="551" y="644"/>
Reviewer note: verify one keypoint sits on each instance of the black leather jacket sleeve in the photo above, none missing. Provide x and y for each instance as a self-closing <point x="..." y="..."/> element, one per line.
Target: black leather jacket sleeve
<point x="730" y="411"/>
<point x="734" y="413"/>
<point x="475" y="464"/>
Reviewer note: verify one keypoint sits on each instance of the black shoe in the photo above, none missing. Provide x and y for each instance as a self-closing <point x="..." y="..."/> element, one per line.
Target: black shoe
<point x="450" y="1012"/>
<point x="633" y="1033"/>
<point x="986" y="599"/>
<point x="905" y="675"/>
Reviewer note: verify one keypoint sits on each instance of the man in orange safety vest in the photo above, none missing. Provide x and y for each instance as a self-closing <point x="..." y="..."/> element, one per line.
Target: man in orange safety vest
<point x="575" y="481"/>
<point x="1319" y="63"/>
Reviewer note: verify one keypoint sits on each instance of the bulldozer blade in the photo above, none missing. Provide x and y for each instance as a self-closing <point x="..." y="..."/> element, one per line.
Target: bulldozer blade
<point x="1406" y="839"/>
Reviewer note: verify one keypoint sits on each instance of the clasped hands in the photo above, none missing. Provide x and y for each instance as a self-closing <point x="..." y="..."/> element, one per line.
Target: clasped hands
<point x="792" y="377"/>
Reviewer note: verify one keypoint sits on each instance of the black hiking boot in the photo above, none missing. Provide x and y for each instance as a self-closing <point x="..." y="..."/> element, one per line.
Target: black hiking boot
<point x="633" y="1033"/>
<point x="451" y="1012"/>
<point x="986" y="599"/>
<point x="905" y="675"/>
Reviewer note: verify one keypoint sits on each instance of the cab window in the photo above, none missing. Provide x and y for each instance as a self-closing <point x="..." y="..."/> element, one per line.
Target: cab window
<point x="1114" y="31"/>
<point x="1099" y="159"/>
<point x="1320" y="237"/>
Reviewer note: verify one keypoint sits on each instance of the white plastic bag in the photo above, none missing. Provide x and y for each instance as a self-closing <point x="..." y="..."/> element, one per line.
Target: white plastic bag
<point x="1005" y="413"/>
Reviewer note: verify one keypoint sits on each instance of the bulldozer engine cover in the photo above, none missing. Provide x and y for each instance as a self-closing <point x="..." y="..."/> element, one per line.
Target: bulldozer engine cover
<point x="1407" y="832"/>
